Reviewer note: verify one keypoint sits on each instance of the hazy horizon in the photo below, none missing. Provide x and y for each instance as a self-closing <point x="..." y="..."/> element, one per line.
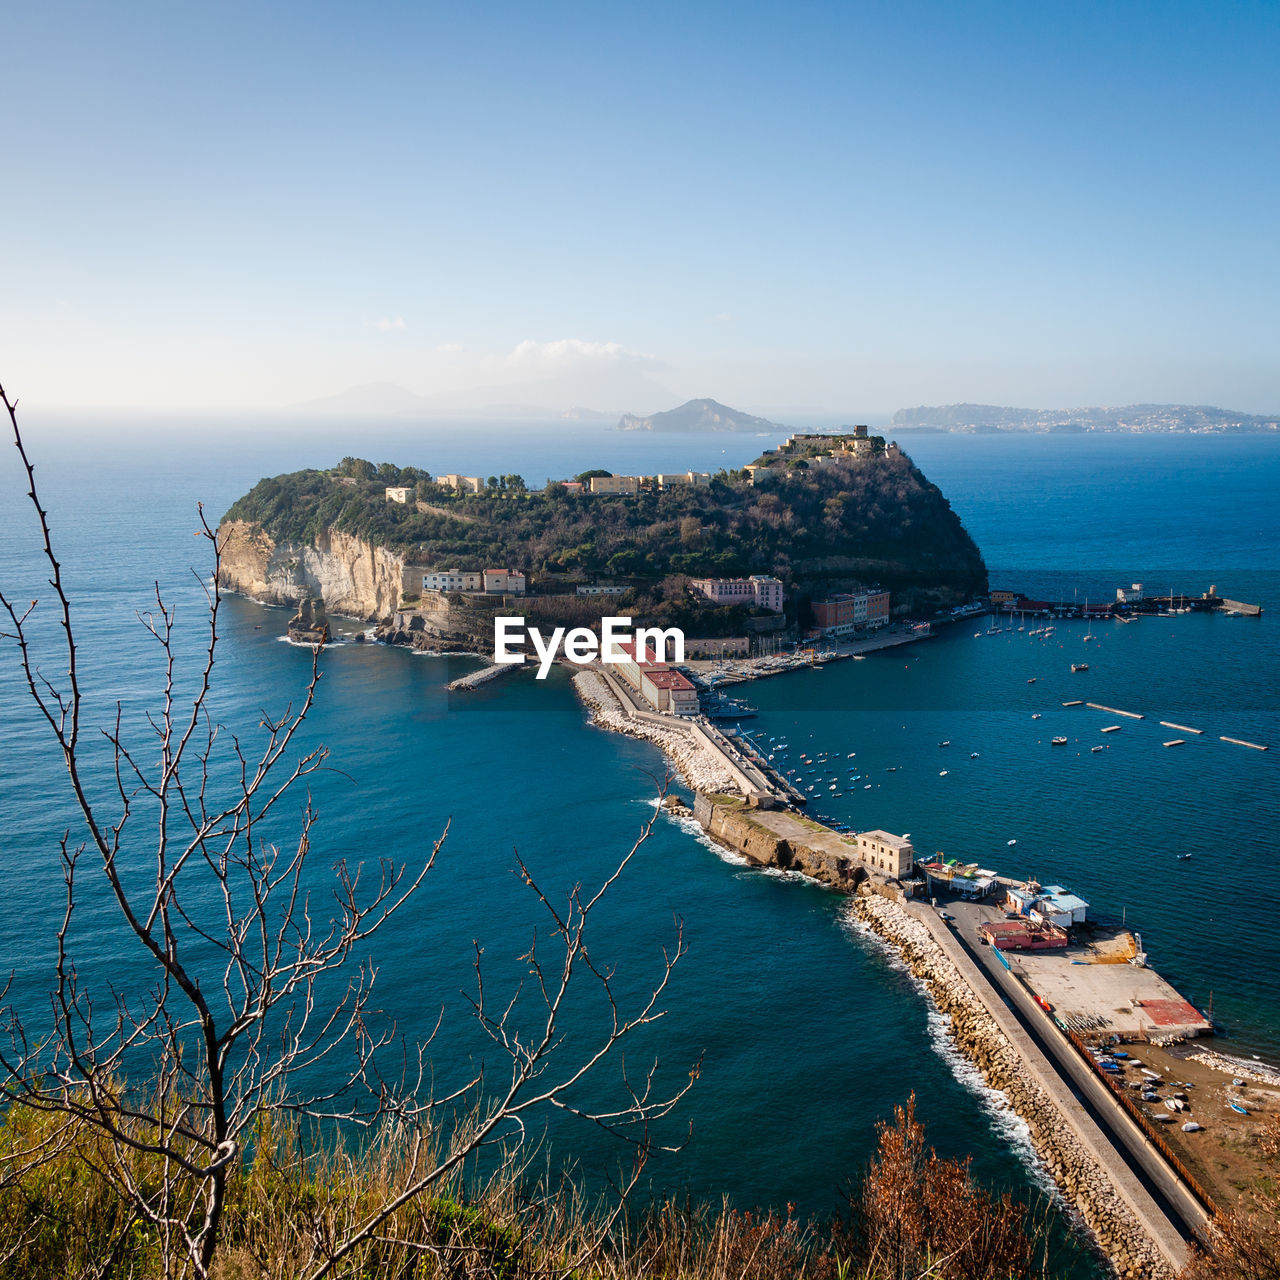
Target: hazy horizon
<point x="825" y="212"/>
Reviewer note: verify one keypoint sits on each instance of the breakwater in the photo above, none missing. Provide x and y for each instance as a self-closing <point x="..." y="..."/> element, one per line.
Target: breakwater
<point x="1111" y="1207"/>
<point x="1131" y="1231"/>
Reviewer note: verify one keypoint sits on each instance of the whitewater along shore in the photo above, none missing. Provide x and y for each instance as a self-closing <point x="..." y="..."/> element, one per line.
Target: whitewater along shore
<point x="1135" y="1233"/>
<point x="1131" y="1229"/>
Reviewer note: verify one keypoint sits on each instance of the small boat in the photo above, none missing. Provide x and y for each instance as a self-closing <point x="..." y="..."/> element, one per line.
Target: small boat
<point x="947" y="743"/>
<point x="1182" y="857"/>
<point x="1035" y="715"/>
<point x="867" y="787"/>
<point x="1012" y="843"/>
<point x="1237" y="1108"/>
<point x="1112" y="1067"/>
<point x="1174" y="1105"/>
<point x="1099" y="747"/>
<point x="1192" y="1127"/>
<point x="973" y="755"/>
<point x="1032" y="680"/>
<point x="1118" y="1053"/>
<point x="1059" y="742"/>
<point x="1237" y="1081"/>
<point x="1079" y="666"/>
<point x="943" y="773"/>
<point x="1164" y="1117"/>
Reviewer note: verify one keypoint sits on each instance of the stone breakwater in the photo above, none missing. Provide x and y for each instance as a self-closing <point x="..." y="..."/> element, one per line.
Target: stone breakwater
<point x="699" y="767"/>
<point x="1083" y="1180"/>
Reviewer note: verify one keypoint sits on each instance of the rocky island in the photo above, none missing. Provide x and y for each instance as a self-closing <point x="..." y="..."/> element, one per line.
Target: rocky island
<point x="430" y="559"/>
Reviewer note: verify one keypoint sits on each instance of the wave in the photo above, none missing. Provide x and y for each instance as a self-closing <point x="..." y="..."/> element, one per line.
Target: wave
<point x="306" y="644"/>
<point x="691" y="826"/>
<point x="1007" y="1125"/>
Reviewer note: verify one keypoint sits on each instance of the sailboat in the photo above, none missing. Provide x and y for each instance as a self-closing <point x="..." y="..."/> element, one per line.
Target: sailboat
<point x="1088" y="635"/>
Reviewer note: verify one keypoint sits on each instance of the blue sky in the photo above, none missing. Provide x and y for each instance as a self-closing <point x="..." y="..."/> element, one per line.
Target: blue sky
<point x="846" y="207"/>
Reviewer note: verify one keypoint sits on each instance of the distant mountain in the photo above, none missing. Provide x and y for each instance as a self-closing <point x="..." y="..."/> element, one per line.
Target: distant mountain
<point x="987" y="418"/>
<point x="698" y="415"/>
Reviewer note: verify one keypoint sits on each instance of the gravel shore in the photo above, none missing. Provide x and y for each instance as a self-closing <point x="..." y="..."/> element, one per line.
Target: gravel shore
<point x="700" y="768"/>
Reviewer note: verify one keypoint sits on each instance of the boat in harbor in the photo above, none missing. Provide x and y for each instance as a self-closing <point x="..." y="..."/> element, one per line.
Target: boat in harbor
<point x="1099" y="747"/>
<point x="1079" y="666"/>
<point x="1059" y="742"/>
<point x="1237" y="1108"/>
<point x="943" y="773"/>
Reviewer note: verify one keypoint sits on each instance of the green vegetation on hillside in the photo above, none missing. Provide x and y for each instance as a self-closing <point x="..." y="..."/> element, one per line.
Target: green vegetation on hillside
<point x="864" y="521"/>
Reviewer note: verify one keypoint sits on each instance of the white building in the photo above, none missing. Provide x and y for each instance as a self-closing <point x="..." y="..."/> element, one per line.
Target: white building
<point x="602" y="589"/>
<point x="463" y="484"/>
<point x="452" y="580"/>
<point x="503" y="582"/>
<point x="668" y="480"/>
<point x="758" y="591"/>
<point x="398" y="494"/>
<point x="1129" y="595"/>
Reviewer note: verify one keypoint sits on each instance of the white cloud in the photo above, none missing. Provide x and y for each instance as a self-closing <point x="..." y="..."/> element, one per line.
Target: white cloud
<point x="388" y="324"/>
<point x="565" y="353"/>
<point x="450" y="348"/>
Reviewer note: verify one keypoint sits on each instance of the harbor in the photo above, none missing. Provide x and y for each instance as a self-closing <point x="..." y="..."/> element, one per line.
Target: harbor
<point x="1069" y="1008"/>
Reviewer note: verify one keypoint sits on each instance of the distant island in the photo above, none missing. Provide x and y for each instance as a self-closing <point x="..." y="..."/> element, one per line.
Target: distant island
<point x="985" y="419"/>
<point x="699" y="415"/>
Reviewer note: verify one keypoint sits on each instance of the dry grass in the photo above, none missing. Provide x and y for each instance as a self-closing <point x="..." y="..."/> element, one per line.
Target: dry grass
<point x="913" y="1215"/>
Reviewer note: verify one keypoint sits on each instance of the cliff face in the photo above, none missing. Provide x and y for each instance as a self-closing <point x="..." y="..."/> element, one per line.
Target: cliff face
<point x="350" y="576"/>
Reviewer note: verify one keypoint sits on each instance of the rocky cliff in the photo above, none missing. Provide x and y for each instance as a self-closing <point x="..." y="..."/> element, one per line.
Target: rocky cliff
<point x="350" y="576"/>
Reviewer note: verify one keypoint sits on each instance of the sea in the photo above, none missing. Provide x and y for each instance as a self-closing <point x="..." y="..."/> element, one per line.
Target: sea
<point x="798" y="1032"/>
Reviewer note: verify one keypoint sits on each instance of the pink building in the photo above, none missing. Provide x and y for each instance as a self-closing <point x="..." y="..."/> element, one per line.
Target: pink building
<point x="758" y="592"/>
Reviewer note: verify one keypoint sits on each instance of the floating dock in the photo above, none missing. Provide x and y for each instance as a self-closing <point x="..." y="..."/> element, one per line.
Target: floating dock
<point x="1176" y="742"/>
<point x="1182" y="728"/>
<point x="1240" y="742"/>
<point x="1078" y="702"/>
<point x="1114" y="711"/>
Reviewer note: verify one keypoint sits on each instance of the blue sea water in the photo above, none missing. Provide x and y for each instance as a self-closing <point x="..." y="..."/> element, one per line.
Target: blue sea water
<point x="808" y="1032"/>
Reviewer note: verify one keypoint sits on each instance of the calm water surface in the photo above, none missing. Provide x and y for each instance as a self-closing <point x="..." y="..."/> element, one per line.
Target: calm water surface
<point x="808" y="1031"/>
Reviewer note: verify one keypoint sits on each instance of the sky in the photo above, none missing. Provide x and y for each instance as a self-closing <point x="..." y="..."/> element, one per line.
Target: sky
<point x="844" y="208"/>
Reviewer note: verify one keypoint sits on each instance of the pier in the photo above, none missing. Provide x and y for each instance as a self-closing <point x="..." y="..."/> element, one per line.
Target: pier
<point x="477" y="678"/>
